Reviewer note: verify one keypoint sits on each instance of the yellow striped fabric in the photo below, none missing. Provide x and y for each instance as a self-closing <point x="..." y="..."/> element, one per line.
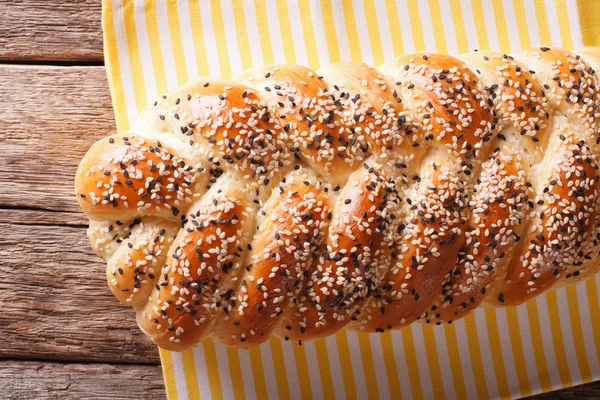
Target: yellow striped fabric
<point x="548" y="343"/>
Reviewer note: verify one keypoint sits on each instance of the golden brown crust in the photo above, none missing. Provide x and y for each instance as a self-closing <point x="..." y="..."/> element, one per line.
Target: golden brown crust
<point x="498" y="208"/>
<point x="226" y="124"/>
<point x="428" y="239"/>
<point x="448" y="104"/>
<point x="563" y="217"/>
<point x="304" y="113"/>
<point x="341" y="276"/>
<point x="518" y="99"/>
<point x="373" y="113"/>
<point x="133" y="269"/>
<point x="446" y="99"/>
<point x="124" y="176"/>
<point x="279" y="259"/>
<point x="294" y="203"/>
<point x="201" y="271"/>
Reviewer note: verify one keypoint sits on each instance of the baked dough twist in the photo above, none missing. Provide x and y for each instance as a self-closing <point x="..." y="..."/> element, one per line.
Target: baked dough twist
<point x="296" y="202"/>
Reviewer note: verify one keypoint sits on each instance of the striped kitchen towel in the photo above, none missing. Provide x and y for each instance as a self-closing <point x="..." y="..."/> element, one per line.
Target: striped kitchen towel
<point x="548" y="343"/>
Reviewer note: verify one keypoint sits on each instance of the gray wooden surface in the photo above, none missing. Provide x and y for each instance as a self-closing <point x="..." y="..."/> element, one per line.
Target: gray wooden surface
<point x="51" y="30"/>
<point x="63" y="334"/>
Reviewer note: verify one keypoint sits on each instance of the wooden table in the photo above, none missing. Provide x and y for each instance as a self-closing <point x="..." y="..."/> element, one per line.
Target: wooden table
<point x="63" y="333"/>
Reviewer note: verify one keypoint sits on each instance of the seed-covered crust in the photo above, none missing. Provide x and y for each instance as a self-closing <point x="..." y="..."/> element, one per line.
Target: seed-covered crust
<point x="295" y="203"/>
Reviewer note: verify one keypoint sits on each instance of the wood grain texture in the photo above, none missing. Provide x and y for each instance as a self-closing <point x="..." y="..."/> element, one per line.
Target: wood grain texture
<point x="56" y="304"/>
<point x="60" y="307"/>
<point x="50" y="117"/>
<point x="43" y="380"/>
<point x="588" y="391"/>
<point x="51" y="30"/>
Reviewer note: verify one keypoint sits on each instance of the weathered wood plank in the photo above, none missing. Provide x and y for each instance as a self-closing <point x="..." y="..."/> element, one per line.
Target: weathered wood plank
<point x="588" y="391"/>
<point x="51" y="30"/>
<point x="54" y="296"/>
<point x="50" y="117"/>
<point x="42" y="380"/>
<point x="19" y="216"/>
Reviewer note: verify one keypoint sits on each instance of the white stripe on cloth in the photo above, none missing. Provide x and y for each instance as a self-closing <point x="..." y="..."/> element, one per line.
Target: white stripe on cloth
<point x="253" y="34"/>
<point x="336" y="369"/>
<point x="573" y="13"/>
<point x="201" y="375"/>
<point x="360" y="19"/>
<point x="542" y="306"/>
<point x="507" y="352"/>
<point x="166" y="46"/>
<point x="588" y="329"/>
<point x="565" y="324"/>
<point x="444" y="360"/>
<point x="380" y="370"/>
<point x="319" y="31"/>
<point x="470" y="29"/>
<point x="124" y="62"/>
<point x="144" y="49"/>
<point x="512" y="26"/>
<point x="465" y="358"/>
<point x="525" y="329"/>
<point x="405" y="26"/>
<point x="290" y="368"/>
<point x="486" y="353"/>
<point x="233" y="48"/>
<point x="340" y="30"/>
<point x="384" y="30"/>
<point x="400" y="355"/>
<point x="357" y="366"/>
<point x="297" y="32"/>
<point x="490" y="25"/>
<point x="532" y="25"/>
<point x="269" y="370"/>
<point x="247" y="376"/>
<point x="552" y="17"/>
<point x="224" y="371"/>
<point x="422" y="362"/>
<point x="187" y="40"/>
<point x="449" y="27"/>
<point x="313" y="369"/>
<point x="427" y="26"/>
<point x="179" y="376"/>
<point x="210" y="43"/>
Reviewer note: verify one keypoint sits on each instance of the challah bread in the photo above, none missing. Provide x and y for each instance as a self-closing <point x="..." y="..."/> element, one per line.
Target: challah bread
<point x="296" y="202"/>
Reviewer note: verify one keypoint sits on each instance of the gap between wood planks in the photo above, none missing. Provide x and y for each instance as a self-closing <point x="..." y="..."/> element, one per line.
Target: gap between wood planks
<point x="54" y="63"/>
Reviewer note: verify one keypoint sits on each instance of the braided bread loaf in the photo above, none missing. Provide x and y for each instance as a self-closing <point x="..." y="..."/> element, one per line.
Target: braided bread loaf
<point x="296" y="203"/>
